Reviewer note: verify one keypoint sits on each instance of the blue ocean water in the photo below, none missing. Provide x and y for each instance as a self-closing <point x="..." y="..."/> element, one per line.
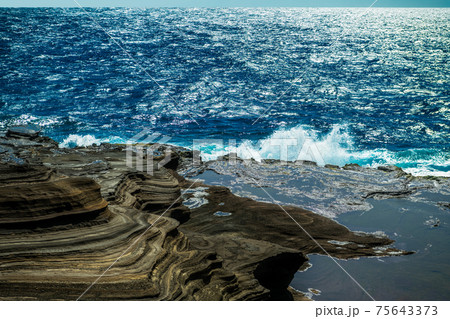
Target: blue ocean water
<point x="370" y="89"/>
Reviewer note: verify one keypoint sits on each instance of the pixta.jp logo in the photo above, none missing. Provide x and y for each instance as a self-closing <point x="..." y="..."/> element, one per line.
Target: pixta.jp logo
<point x="141" y="151"/>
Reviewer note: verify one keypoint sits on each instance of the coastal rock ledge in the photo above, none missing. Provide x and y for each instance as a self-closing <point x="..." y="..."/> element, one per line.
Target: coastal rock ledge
<point x="66" y="215"/>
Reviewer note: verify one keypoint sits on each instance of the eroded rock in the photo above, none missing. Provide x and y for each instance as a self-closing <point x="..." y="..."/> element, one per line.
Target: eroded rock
<point x="66" y="215"/>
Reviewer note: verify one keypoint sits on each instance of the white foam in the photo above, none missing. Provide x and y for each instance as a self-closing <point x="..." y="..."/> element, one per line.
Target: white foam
<point x="422" y="162"/>
<point x="424" y="171"/>
<point x="74" y="140"/>
<point x="336" y="147"/>
<point x="303" y="143"/>
<point x="297" y="143"/>
<point x="41" y="121"/>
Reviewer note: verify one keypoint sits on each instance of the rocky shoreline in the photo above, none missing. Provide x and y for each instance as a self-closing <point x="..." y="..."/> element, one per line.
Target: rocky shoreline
<point x="66" y="215"/>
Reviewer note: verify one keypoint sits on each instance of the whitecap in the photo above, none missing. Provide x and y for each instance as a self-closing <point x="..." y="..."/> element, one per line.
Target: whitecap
<point x="291" y="144"/>
<point x="74" y="140"/>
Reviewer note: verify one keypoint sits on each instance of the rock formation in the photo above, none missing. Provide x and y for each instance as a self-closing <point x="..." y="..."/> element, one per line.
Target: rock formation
<point x="73" y="217"/>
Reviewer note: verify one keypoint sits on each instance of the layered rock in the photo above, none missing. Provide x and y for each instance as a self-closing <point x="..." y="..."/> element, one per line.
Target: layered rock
<point x="46" y="203"/>
<point x="287" y="226"/>
<point x="80" y="224"/>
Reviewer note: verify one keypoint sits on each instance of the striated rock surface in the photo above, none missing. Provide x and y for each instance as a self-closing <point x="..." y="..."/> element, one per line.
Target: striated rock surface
<point x="270" y="223"/>
<point x="45" y="203"/>
<point x="70" y="218"/>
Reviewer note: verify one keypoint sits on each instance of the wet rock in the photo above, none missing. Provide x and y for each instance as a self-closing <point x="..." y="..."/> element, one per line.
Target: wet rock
<point x="352" y="166"/>
<point x="67" y="214"/>
<point x="393" y="168"/>
<point x="389" y="194"/>
<point x="24" y="131"/>
<point x="389" y="168"/>
<point x="332" y="166"/>
<point x="231" y="157"/>
<point x="306" y="163"/>
<point x="272" y="223"/>
<point x="271" y="161"/>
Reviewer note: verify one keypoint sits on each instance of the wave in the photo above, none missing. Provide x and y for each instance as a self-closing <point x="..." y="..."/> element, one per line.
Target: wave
<point x="74" y="140"/>
<point x="297" y="143"/>
<point x="418" y="162"/>
<point x="41" y="121"/>
<point x="337" y="147"/>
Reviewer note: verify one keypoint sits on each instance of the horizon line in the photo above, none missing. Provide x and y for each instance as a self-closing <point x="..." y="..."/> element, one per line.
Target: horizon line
<point x="224" y="7"/>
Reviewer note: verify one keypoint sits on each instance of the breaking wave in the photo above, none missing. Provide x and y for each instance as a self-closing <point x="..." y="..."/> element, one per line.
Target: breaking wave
<point x="336" y="147"/>
<point x="75" y="140"/>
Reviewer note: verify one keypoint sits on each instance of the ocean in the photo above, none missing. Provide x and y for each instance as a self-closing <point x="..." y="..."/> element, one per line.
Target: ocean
<point x="332" y="85"/>
<point x="366" y="87"/>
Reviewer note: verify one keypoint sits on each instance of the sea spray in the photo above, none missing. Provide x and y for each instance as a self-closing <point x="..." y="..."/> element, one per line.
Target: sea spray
<point x="75" y="140"/>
